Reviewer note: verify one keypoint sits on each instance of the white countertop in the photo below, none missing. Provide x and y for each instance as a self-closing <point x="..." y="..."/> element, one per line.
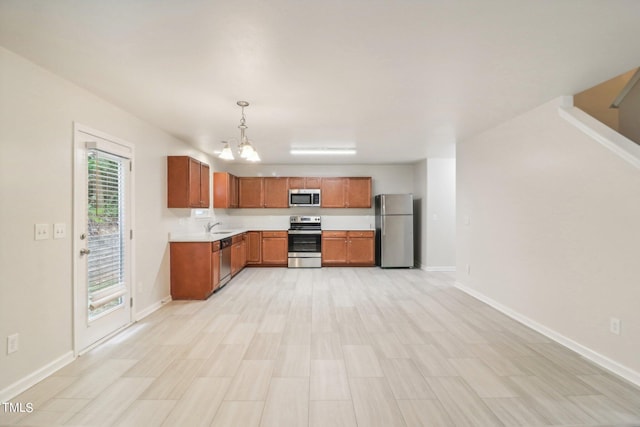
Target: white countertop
<point x="205" y="237"/>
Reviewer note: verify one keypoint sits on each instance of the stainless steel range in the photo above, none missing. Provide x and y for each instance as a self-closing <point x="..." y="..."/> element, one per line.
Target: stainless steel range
<point x="305" y="241"/>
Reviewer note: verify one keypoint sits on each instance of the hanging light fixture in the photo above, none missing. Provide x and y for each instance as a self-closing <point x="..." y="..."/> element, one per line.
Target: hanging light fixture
<point x="245" y="149"/>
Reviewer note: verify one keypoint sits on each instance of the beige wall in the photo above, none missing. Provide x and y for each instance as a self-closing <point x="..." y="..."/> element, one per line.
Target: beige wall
<point x="37" y="111"/>
<point x="630" y="115"/>
<point x="553" y="231"/>
<point x="596" y="101"/>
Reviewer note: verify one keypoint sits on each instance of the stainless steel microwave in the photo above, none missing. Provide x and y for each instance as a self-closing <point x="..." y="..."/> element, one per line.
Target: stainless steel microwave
<point x="304" y="197"/>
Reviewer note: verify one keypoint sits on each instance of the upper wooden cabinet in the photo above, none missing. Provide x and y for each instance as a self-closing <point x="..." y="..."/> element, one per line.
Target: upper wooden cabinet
<point x="353" y="192"/>
<point x="358" y="192"/>
<point x="273" y="192"/>
<point x="276" y="192"/>
<point x="333" y="193"/>
<point x="251" y="192"/>
<point x="187" y="183"/>
<point x="300" y="182"/>
<point x="225" y="190"/>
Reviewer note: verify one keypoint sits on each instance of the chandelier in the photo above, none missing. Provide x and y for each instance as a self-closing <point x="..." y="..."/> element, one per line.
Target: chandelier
<point x="245" y="149"/>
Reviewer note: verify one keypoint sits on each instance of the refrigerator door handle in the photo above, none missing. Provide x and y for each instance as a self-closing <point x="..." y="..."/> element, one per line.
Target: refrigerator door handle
<point x="384" y="231"/>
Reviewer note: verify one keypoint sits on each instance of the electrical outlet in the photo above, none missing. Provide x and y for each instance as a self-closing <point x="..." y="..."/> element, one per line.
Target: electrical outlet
<point x="59" y="231"/>
<point x="12" y="343"/>
<point x="41" y="232"/>
<point x="614" y="325"/>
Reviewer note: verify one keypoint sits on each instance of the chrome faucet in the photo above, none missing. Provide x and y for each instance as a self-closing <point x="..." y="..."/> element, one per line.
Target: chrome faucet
<point x="210" y="226"/>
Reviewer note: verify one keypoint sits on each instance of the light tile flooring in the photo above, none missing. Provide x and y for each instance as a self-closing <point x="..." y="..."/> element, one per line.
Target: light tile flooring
<point x="331" y="347"/>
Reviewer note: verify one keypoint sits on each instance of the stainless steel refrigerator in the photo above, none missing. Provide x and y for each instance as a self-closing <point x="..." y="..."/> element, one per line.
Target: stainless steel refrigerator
<point x="394" y="230"/>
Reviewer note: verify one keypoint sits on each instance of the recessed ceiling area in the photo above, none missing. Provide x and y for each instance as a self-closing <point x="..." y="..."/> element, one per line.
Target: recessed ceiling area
<point x="396" y="80"/>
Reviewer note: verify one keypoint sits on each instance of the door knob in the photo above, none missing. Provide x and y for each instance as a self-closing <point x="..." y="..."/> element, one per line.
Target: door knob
<point x="85" y="251"/>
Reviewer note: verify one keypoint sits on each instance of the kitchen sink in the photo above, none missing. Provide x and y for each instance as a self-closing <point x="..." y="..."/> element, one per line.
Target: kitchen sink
<point x="221" y="232"/>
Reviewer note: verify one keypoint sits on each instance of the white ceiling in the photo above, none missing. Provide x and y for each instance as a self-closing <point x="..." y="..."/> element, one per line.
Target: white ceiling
<point x="399" y="80"/>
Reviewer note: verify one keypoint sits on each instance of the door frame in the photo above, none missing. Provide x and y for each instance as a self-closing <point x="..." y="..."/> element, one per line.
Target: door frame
<point x="79" y="133"/>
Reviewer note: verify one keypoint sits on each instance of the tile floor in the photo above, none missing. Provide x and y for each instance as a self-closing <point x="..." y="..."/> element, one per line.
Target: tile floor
<point x="330" y="347"/>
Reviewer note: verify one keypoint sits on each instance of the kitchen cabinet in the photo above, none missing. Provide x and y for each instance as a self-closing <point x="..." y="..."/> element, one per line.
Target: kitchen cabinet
<point x="361" y="248"/>
<point x="334" y="248"/>
<point x="187" y="183"/>
<point x="238" y="253"/>
<point x="225" y="190"/>
<point x="195" y="271"/>
<point x="254" y="248"/>
<point x="301" y="182"/>
<point x="275" y="248"/>
<point x="333" y="193"/>
<point x="352" y="192"/>
<point x="251" y="192"/>
<point x="358" y="192"/>
<point x="354" y="248"/>
<point x="276" y="192"/>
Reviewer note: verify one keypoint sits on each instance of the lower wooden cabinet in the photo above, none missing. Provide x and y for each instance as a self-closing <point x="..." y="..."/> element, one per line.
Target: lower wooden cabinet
<point x="254" y="248"/>
<point x="353" y="248"/>
<point x="238" y="253"/>
<point x="275" y="248"/>
<point x="195" y="269"/>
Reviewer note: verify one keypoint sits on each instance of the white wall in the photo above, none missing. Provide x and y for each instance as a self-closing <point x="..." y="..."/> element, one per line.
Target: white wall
<point x="553" y="231"/>
<point x="441" y="215"/>
<point x="37" y="111"/>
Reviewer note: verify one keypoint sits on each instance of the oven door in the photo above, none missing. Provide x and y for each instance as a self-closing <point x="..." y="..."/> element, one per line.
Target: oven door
<point x="304" y="243"/>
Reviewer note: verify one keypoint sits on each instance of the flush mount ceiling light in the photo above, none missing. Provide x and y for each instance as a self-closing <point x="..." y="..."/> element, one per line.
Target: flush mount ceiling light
<point x="245" y="149"/>
<point x="322" y="151"/>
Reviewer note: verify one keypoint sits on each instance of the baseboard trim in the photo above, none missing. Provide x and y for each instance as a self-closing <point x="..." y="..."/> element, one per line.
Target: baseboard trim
<point x="450" y="268"/>
<point x="35" y="377"/>
<point x="597" y="358"/>
<point x="152" y="308"/>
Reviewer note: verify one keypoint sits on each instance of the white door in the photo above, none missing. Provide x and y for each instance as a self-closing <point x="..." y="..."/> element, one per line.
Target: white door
<point x="102" y="236"/>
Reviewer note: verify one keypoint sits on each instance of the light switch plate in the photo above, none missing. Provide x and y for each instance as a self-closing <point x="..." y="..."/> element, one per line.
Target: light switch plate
<point x="41" y="232"/>
<point x="59" y="231"/>
<point x="12" y="343"/>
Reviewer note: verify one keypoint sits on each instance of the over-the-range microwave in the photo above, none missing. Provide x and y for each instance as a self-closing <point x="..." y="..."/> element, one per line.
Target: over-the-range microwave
<point x="304" y="197"/>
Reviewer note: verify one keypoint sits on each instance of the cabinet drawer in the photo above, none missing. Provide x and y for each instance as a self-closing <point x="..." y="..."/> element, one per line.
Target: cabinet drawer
<point x="361" y="233"/>
<point x="274" y="234"/>
<point x="334" y="234"/>
<point x="237" y="238"/>
<point x="215" y="247"/>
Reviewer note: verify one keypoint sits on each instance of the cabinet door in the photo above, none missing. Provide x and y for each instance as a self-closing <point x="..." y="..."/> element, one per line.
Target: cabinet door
<point x="334" y="248"/>
<point x="204" y="185"/>
<point x="296" y="183"/>
<point x="251" y="192"/>
<point x="243" y="254"/>
<point x="358" y="192"/>
<point x="190" y="270"/>
<point x="215" y="269"/>
<point x="235" y="258"/>
<point x="276" y="192"/>
<point x="234" y="192"/>
<point x="312" y="183"/>
<point x="195" y="198"/>
<point x="333" y="192"/>
<point x="274" y="249"/>
<point x="254" y="247"/>
<point x="361" y="251"/>
<point x="225" y="190"/>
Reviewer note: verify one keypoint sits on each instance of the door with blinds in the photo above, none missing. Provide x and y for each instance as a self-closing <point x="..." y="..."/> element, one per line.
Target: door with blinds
<point x="102" y="237"/>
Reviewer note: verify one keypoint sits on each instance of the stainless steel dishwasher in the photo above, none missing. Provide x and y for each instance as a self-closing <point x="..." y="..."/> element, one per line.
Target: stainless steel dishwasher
<point x="225" y="261"/>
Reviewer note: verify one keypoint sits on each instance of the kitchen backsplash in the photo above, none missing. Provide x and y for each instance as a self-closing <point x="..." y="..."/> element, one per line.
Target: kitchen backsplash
<point x="198" y="220"/>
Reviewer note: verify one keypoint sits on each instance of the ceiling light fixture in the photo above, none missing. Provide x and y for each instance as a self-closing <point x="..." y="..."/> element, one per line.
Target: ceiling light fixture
<point x="245" y="149"/>
<point x="322" y="151"/>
